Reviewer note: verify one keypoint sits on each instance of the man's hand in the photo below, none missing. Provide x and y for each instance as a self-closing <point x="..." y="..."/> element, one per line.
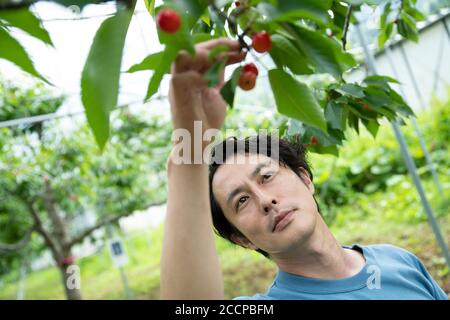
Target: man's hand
<point x="190" y="97"/>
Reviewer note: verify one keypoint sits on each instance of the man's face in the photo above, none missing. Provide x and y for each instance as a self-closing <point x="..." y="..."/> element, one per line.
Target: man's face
<point x="255" y="192"/>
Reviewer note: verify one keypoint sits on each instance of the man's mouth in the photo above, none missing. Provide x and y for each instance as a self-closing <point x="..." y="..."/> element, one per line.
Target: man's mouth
<point x="282" y="219"/>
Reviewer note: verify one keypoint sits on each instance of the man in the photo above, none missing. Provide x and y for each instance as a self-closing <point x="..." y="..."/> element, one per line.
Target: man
<point x="263" y="199"/>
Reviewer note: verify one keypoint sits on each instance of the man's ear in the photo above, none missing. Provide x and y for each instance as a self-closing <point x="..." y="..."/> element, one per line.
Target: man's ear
<point x="307" y="179"/>
<point x="243" y="242"/>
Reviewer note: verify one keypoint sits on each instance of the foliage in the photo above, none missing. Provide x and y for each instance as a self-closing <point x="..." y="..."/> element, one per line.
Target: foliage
<point x="367" y="165"/>
<point x="306" y="37"/>
<point x="128" y="178"/>
<point x="18" y="102"/>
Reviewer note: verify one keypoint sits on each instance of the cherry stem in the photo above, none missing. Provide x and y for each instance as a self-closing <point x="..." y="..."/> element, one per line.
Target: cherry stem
<point x="346" y="25"/>
<point x="231" y="23"/>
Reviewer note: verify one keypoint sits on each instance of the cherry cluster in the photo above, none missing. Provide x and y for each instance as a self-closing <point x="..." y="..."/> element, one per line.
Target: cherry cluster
<point x="168" y="20"/>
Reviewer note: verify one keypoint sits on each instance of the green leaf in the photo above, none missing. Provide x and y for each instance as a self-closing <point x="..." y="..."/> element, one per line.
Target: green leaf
<point x="333" y="150"/>
<point x="205" y="18"/>
<point x="385" y="34"/>
<point x="353" y="122"/>
<point x="295" y="10"/>
<point x="25" y="20"/>
<point x="284" y="53"/>
<point x="217" y="50"/>
<point x="406" y="26"/>
<point x="327" y="143"/>
<point x="218" y="22"/>
<point x="400" y="105"/>
<point x="13" y="51"/>
<point x="100" y="76"/>
<point x="200" y="37"/>
<point x="150" y="62"/>
<point x="360" y="2"/>
<point x="229" y="88"/>
<point x="334" y="114"/>
<point x="213" y="73"/>
<point x="167" y="58"/>
<point x="372" y="126"/>
<point x="191" y="10"/>
<point x="416" y="14"/>
<point x="324" y="53"/>
<point x="378" y="80"/>
<point x="383" y="17"/>
<point x="351" y="90"/>
<point x="376" y="96"/>
<point x="150" y="5"/>
<point x="295" y="100"/>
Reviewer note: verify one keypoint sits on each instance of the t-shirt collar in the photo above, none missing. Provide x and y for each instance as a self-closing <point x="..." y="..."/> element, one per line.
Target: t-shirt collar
<point x="285" y="280"/>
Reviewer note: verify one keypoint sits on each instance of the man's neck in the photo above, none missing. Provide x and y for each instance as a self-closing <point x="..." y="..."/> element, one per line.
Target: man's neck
<point x="321" y="257"/>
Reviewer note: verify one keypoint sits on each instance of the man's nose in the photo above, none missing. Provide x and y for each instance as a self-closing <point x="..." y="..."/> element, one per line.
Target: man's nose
<point x="267" y="201"/>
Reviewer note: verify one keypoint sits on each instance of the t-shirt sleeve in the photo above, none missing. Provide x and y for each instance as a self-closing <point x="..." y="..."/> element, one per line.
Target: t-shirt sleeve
<point x="438" y="293"/>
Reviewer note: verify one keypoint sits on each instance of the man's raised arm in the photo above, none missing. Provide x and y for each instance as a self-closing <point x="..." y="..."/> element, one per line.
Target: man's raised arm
<point x="190" y="266"/>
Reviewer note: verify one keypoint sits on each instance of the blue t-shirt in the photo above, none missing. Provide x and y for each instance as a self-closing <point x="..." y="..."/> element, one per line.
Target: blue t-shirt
<point x="389" y="273"/>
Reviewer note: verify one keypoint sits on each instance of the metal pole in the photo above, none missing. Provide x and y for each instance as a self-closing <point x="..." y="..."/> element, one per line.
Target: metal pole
<point x="23" y="273"/>
<point x="430" y="163"/>
<point x="123" y="275"/>
<point x="446" y="28"/>
<point x="125" y="283"/>
<point x="411" y="76"/>
<point x="408" y="159"/>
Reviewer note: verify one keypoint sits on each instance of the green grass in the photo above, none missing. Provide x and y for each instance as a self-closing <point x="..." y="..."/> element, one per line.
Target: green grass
<point x="245" y="272"/>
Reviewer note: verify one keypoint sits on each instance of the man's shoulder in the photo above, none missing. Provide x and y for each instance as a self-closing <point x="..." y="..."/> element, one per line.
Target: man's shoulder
<point x="390" y="251"/>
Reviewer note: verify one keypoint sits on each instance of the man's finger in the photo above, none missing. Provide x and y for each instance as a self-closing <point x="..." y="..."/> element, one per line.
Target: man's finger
<point x="182" y="63"/>
<point x="210" y="44"/>
<point x="233" y="57"/>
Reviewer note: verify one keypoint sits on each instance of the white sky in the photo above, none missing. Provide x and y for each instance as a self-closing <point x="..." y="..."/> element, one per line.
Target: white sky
<point x="63" y="64"/>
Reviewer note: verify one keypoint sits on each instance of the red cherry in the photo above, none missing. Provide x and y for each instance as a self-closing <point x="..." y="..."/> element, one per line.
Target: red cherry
<point x="237" y="3"/>
<point x="169" y="20"/>
<point x="314" y="140"/>
<point x="261" y="42"/>
<point x="247" y="80"/>
<point x="250" y="67"/>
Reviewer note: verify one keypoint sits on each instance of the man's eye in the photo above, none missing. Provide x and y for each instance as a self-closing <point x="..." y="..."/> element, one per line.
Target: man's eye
<point x="241" y="201"/>
<point x="267" y="176"/>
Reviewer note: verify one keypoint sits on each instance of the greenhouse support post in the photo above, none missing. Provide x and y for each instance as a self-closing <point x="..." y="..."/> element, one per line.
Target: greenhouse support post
<point x="419" y="134"/>
<point x="407" y="157"/>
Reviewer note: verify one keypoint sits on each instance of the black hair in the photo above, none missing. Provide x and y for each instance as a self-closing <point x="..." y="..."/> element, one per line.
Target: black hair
<point x="288" y="152"/>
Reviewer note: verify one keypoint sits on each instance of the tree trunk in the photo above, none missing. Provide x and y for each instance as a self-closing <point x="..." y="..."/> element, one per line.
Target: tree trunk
<point x="71" y="281"/>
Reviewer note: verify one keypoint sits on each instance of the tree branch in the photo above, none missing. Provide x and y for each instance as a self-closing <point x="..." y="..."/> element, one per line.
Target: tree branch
<point x="346" y="25"/>
<point x="40" y="228"/>
<point x="104" y="222"/>
<point x="231" y="23"/>
<point x="6" y="247"/>
<point x="60" y="229"/>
